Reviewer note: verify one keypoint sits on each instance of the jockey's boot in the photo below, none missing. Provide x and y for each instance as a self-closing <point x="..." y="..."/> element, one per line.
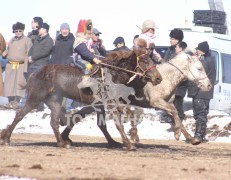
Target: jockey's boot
<point x="86" y="82"/>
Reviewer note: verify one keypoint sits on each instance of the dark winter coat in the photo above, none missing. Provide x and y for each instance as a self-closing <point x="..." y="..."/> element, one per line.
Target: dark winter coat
<point x="170" y="53"/>
<point x="40" y="51"/>
<point x="209" y="65"/>
<point x="182" y="89"/>
<point x="33" y="35"/>
<point x="62" y="50"/>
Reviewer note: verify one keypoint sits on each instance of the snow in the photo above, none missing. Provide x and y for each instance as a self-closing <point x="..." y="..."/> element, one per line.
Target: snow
<point x="152" y="126"/>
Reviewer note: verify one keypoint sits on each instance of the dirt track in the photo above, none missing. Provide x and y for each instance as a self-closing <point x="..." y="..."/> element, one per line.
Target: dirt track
<point x="36" y="156"/>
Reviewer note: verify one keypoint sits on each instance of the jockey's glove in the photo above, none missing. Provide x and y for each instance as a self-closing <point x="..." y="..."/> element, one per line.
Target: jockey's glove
<point x="89" y="66"/>
<point x="97" y="61"/>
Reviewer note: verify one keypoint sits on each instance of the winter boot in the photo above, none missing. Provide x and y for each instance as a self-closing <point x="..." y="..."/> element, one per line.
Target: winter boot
<point x="199" y="133"/>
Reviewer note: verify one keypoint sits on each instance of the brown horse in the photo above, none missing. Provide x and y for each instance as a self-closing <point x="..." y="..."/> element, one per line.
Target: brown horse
<point x="53" y="82"/>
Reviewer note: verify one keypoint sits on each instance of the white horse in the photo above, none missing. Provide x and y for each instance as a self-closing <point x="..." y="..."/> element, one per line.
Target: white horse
<point x="161" y="96"/>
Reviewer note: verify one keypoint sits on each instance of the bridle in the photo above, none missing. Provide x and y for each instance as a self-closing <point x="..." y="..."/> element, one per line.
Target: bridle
<point x="144" y="71"/>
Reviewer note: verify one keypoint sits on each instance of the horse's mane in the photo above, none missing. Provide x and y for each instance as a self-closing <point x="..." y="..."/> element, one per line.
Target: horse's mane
<point x="118" y="57"/>
<point x="115" y="57"/>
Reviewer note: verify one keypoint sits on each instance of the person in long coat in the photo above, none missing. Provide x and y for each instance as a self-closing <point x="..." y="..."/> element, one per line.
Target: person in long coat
<point x="17" y="54"/>
<point x="39" y="54"/>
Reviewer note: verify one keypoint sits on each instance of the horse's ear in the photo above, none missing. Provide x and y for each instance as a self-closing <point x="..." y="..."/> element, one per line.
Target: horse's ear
<point x="192" y="58"/>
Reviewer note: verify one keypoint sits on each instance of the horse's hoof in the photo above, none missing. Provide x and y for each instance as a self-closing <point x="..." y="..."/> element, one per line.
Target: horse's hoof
<point x="132" y="148"/>
<point x="4" y="142"/>
<point x="177" y="133"/>
<point x="64" y="144"/>
<point x="115" y="144"/>
<point x="196" y="141"/>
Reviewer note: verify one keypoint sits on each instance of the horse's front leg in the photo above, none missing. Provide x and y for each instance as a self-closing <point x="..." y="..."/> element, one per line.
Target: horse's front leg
<point x="133" y="132"/>
<point x="120" y="127"/>
<point x="172" y="112"/>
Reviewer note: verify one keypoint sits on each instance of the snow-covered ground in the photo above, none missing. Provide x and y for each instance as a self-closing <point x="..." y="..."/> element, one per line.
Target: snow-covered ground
<point x="152" y="126"/>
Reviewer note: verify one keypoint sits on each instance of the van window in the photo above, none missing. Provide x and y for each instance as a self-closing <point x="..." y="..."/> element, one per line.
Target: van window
<point x="216" y="59"/>
<point x="226" y="66"/>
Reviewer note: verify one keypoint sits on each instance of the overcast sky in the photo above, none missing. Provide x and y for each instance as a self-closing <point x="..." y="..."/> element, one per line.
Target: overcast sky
<point x="112" y="17"/>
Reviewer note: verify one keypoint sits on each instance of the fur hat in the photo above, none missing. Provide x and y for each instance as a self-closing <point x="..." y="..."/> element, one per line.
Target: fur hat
<point x="45" y="26"/>
<point x="84" y="25"/>
<point x="177" y="34"/>
<point x="18" y="26"/>
<point x="203" y="46"/>
<point x="38" y="20"/>
<point x="148" y="24"/>
<point x="64" y="26"/>
<point x="118" y="40"/>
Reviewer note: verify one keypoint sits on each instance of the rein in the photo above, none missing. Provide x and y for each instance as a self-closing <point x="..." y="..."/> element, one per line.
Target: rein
<point x="176" y="68"/>
<point x="133" y="72"/>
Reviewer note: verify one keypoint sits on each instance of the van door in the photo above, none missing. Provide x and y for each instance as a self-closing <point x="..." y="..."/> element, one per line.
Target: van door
<point x="222" y="88"/>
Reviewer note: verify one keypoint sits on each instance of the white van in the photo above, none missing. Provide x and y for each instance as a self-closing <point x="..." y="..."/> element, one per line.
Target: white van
<point x="220" y="46"/>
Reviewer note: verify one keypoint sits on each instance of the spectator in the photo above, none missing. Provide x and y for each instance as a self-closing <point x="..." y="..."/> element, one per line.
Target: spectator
<point x="62" y="53"/>
<point x="17" y="54"/>
<point x="176" y="35"/>
<point x="201" y="99"/>
<point x="35" y="25"/>
<point x="63" y="48"/>
<point x="3" y="61"/>
<point x="39" y="54"/>
<point x="177" y="46"/>
<point x="182" y="88"/>
<point x="120" y="44"/>
<point x="97" y="45"/>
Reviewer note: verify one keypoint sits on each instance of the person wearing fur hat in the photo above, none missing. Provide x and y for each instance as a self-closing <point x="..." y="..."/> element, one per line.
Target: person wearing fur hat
<point x="17" y="54"/>
<point x="83" y="49"/>
<point x="39" y="54"/>
<point x="148" y="34"/>
<point x="35" y="25"/>
<point x="200" y="98"/>
<point x="176" y="35"/>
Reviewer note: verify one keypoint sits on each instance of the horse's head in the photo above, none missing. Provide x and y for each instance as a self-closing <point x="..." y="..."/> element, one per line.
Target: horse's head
<point x="146" y="66"/>
<point x="197" y="74"/>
